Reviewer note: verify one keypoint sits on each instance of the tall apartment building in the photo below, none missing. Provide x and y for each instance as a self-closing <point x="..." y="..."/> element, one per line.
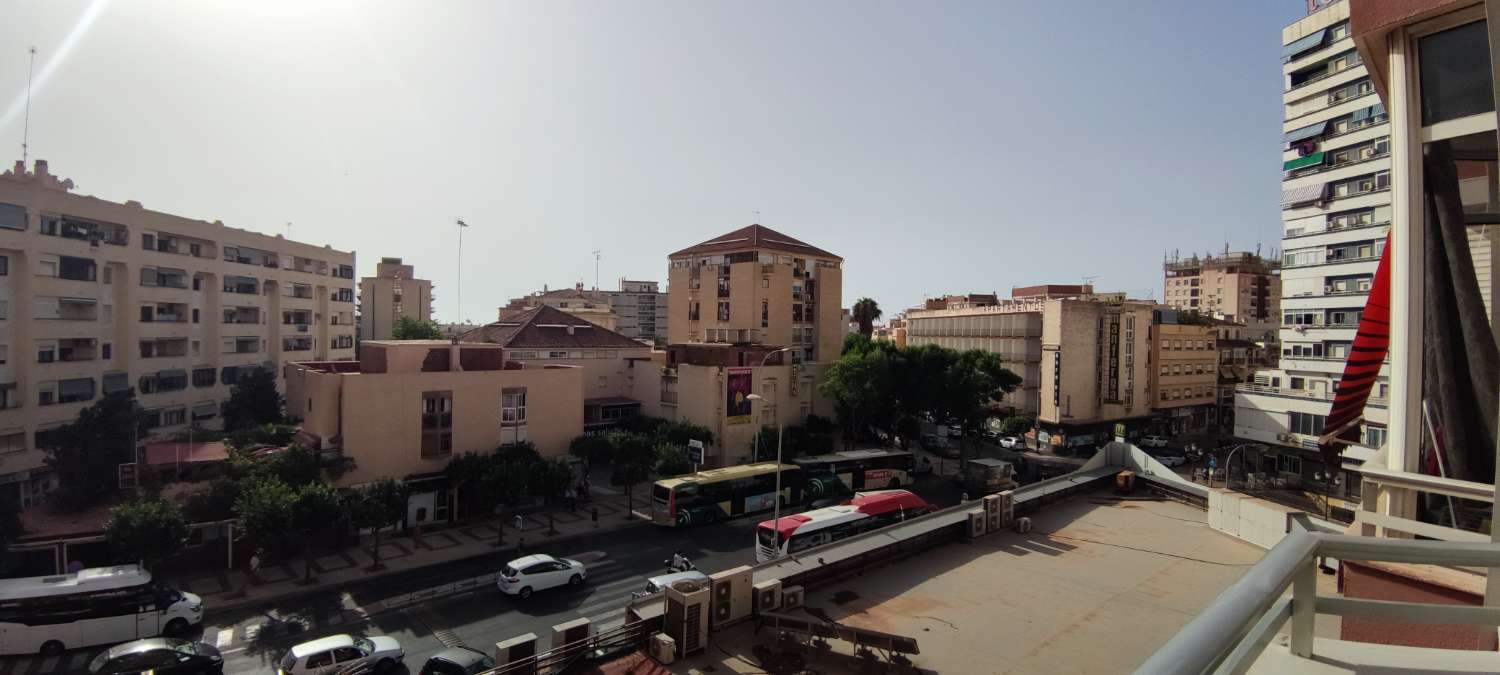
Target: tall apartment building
<point x="1240" y="287"/>
<point x="394" y="292"/>
<point x="1184" y="373"/>
<point x="98" y="296"/>
<point x="1336" y="210"/>
<point x="757" y="286"/>
<point x="1009" y="328"/>
<point x="1095" y="369"/>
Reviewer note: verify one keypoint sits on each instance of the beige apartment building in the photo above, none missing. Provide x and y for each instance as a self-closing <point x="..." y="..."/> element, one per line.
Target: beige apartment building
<point x="99" y="296"/>
<point x="1241" y="287"/>
<point x="591" y="305"/>
<point x="407" y="407"/>
<point x="1011" y="329"/>
<point x="757" y="286"/>
<point x="394" y="292"/>
<point x="1095" y="369"/>
<point x="1184" y="374"/>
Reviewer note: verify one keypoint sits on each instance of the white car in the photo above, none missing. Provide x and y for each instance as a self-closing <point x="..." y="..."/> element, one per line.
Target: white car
<point x="337" y="653"/>
<point x="1154" y="441"/>
<point x="1170" y="459"/>
<point x="1011" y="442"/>
<point x="522" y="576"/>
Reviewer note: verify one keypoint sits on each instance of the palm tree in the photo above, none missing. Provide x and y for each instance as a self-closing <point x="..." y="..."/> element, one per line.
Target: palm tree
<point x="866" y="312"/>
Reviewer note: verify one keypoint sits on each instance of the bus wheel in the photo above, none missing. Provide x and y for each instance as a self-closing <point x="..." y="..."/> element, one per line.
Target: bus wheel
<point x="176" y="627"/>
<point x="52" y="648"/>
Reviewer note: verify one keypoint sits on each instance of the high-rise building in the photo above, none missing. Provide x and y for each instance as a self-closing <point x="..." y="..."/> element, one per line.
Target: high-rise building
<point x="98" y="297"/>
<point x="394" y="292"/>
<point x="1239" y="287"/>
<point x="1094" y="369"/>
<point x="1184" y="372"/>
<point x="1336" y="209"/>
<point x="757" y="286"/>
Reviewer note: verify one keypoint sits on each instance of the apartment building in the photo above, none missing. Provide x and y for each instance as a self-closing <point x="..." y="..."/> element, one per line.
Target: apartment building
<point x="1011" y="329"/>
<point x="963" y="301"/>
<point x="1240" y="287"/>
<point x="1336" y="211"/>
<point x="757" y="286"/>
<point x="544" y="335"/>
<point x="1095" y="370"/>
<point x="1184" y="373"/>
<point x="394" y="292"/>
<point x="637" y="310"/>
<point x="99" y="296"/>
<point x="1240" y="358"/>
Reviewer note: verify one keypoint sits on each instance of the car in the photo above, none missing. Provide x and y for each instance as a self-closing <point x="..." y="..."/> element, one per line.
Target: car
<point x="1154" y="441"/>
<point x="1170" y="457"/>
<point x="158" y="655"/>
<point x="955" y="430"/>
<point x="921" y="465"/>
<point x="523" y="576"/>
<point x="339" y="653"/>
<point x="1012" y="442"/>
<point x="659" y="582"/>
<point x="457" y="661"/>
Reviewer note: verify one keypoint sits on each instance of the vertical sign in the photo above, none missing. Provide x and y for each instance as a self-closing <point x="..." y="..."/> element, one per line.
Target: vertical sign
<point x="737" y="389"/>
<point x="1114" y="360"/>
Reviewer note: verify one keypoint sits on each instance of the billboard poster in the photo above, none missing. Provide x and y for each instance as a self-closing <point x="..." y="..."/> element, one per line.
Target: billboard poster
<point x="737" y="402"/>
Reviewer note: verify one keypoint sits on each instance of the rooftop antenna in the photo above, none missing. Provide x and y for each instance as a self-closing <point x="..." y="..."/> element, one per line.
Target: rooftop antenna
<point x="1090" y="279"/>
<point x="26" y="129"/>
<point x="597" y="255"/>
<point x="289" y="230"/>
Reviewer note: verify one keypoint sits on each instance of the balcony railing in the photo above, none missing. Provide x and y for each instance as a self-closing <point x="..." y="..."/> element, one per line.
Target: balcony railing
<point x="1308" y="394"/>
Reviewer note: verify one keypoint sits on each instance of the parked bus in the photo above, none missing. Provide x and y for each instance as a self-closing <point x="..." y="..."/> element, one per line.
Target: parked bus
<point x="95" y="606"/>
<point x="865" y="512"/>
<point x="856" y="470"/>
<point x="719" y="494"/>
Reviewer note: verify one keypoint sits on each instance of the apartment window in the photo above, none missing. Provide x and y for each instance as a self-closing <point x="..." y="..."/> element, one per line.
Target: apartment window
<point x="765" y="314"/>
<point x="437" y="422"/>
<point x="1306" y="424"/>
<point x="106" y="351"/>
<point x="723" y="311"/>
<point x="75" y="390"/>
<point x="195" y="311"/>
<point x="12" y="443"/>
<point x="513" y="406"/>
<point x="173" y="417"/>
<point x="1374" y="436"/>
<point x="46" y="393"/>
<point x="115" y="382"/>
<point x="1289" y="464"/>
<point x="148" y="241"/>
<point x="692" y="311"/>
<point x="1455" y="73"/>
<point x="204" y="377"/>
<point x="765" y="282"/>
<point x="1296" y="383"/>
<point x="1166" y="370"/>
<point x="12" y="217"/>
<point x="46" y="351"/>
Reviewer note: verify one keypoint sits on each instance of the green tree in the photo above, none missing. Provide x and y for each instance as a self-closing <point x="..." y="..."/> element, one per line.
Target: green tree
<point x="501" y="482"/>
<point x="865" y="312"/>
<point x="548" y="479"/>
<point x="253" y="401"/>
<point x="215" y="503"/>
<point x="407" y="328"/>
<point x="1015" y="425"/>
<point x="266" y="509"/>
<point x="87" y="452"/>
<point x="907" y="428"/>
<point x="464" y="471"/>
<point x="974" y="383"/>
<point x="672" y="460"/>
<point x="634" y="457"/>
<point x="595" y="448"/>
<point x="377" y="506"/>
<point x="860" y="385"/>
<point x="315" y="507"/>
<point x="146" y="530"/>
<point x="523" y="453"/>
<point x="296" y="466"/>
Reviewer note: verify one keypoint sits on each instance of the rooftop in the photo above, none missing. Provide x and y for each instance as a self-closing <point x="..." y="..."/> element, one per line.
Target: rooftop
<point x="753" y="237"/>
<point x="544" y="327"/>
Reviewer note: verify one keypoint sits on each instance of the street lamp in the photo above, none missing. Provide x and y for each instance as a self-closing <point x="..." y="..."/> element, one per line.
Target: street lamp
<point x="776" y="501"/>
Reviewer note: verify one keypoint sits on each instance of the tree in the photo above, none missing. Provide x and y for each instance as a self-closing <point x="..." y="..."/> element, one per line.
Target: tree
<point x="547" y="479"/>
<point x="501" y="482"/>
<point x="1015" y="425"/>
<point x="634" y="456"/>
<point x="377" y="506"/>
<point x="865" y="311"/>
<point x="216" y="503"/>
<point x="523" y="453"/>
<point x="253" y="401"/>
<point x="907" y="428"/>
<point x="464" y="472"/>
<point x="316" y="506"/>
<point x="407" y="328"/>
<point x="974" y="382"/>
<point x="672" y="460"/>
<point x="296" y="466"/>
<point x="87" y="452"/>
<point x="146" y="530"/>
<point x="594" y="448"/>
<point x="266" y="509"/>
<point x="860" y="385"/>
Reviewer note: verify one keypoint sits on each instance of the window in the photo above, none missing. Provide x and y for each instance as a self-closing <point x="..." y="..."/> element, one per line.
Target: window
<point x="1289" y="464"/>
<point x="765" y="282"/>
<point x="173" y="417"/>
<point x="723" y="311"/>
<point x="557" y="355"/>
<point x="1306" y="424"/>
<point x="204" y="377"/>
<point x="15" y="442"/>
<point x="437" y="422"/>
<point x="1455" y="73"/>
<point x="74" y="390"/>
<point x="46" y="351"/>
<point x="1374" y="436"/>
<point x="12" y="217"/>
<point x="765" y="313"/>
<point x="513" y="406"/>
<point x="693" y="311"/>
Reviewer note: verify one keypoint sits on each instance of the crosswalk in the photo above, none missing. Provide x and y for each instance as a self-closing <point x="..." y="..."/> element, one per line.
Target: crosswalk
<point x="609" y="587"/>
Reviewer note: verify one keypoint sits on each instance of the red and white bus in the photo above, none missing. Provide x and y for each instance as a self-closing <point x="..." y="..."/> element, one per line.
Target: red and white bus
<point x="865" y="512"/>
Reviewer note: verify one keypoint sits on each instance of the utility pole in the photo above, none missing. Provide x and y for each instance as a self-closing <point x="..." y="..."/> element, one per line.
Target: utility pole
<point x="596" y="268"/>
<point x="458" y="299"/>
<point x="26" y="129"/>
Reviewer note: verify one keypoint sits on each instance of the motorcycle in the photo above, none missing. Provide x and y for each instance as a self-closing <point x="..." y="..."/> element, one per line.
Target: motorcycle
<point x="686" y="566"/>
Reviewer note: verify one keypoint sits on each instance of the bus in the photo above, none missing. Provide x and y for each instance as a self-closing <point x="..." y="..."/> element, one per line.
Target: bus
<point x="851" y="471"/>
<point x="866" y="511"/>
<point x="718" y="494"/>
<point x="94" y="606"/>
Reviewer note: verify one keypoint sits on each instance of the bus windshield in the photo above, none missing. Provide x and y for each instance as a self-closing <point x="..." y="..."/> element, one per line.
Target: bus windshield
<point x="767" y="537"/>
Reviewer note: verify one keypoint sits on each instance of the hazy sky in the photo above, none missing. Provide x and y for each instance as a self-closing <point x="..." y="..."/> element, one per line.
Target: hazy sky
<point x="938" y="147"/>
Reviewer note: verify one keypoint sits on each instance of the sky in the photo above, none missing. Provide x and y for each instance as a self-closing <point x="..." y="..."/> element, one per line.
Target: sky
<point x="942" y="147"/>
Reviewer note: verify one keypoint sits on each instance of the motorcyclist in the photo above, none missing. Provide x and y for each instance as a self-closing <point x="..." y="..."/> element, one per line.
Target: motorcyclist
<point x="680" y="562"/>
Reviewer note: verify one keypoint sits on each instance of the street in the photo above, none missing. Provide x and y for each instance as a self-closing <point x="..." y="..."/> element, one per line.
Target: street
<point x="618" y="562"/>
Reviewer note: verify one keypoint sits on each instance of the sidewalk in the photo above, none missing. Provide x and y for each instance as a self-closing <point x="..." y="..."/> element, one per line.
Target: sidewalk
<point x="224" y="590"/>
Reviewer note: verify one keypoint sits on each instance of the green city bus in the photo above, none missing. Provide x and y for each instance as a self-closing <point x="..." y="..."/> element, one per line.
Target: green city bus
<point x="719" y="494"/>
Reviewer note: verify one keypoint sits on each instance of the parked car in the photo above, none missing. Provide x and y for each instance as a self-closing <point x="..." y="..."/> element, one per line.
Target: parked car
<point x="939" y="445"/>
<point x="921" y="465"/>
<point x="1154" y="441"/>
<point x="1170" y="457"/>
<point x="539" y="572"/>
<point x="337" y="653"/>
<point x="1012" y="443"/>
<point x="158" y="655"/>
<point x="457" y="661"/>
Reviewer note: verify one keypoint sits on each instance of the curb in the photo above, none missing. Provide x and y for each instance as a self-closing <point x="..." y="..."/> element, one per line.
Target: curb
<point x="219" y="608"/>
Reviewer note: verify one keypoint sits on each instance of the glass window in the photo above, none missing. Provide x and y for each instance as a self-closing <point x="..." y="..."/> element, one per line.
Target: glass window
<point x="1455" y="72"/>
<point x="12" y="217"/>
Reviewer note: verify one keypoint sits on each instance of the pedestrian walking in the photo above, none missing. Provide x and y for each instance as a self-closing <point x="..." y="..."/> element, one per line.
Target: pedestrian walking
<point x="519" y="523"/>
<point x="594" y="514"/>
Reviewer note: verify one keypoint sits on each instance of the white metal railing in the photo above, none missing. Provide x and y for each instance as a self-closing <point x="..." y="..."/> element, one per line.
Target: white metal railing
<point x="1379" y="481"/>
<point x="1251" y="388"/>
<point x="1229" y="635"/>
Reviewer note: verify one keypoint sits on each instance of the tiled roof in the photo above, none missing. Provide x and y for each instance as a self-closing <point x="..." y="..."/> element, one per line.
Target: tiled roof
<point x="756" y="237"/>
<point x="545" y="327"/>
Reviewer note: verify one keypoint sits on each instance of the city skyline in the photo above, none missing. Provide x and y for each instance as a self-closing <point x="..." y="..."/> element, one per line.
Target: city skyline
<point x="599" y="124"/>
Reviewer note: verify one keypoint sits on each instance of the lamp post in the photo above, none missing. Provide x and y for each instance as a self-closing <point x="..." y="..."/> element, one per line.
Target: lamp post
<point x="458" y="300"/>
<point x="776" y="500"/>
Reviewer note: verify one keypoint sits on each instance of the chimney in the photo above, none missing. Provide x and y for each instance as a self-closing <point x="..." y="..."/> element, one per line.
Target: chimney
<point x="41" y="168"/>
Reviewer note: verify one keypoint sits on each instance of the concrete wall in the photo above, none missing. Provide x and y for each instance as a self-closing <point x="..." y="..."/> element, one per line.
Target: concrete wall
<point x="603" y="375"/>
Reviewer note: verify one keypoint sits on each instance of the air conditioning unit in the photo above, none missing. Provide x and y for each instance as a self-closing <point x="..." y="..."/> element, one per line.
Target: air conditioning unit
<point x="686" y="617"/>
<point x="733" y="593"/>
<point x="663" y="649"/>
<point x="1023" y="524"/>
<point x="768" y="596"/>
<point x="793" y="597"/>
<point x="977" y="523"/>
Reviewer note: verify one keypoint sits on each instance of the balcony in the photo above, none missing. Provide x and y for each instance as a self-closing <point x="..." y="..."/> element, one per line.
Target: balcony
<point x="166" y="348"/>
<point x="65" y="309"/>
<point x="1304" y="394"/>
<point x="164" y="277"/>
<point x="242" y="285"/>
<point x="296" y="344"/>
<point x="242" y="315"/>
<point x="165" y="312"/>
<point x="241" y="345"/>
<point x="310" y="266"/>
<point x="297" y="317"/>
<point x="250" y="256"/>
<point x="302" y="291"/>
<point x="77" y="349"/>
<point x="69" y="227"/>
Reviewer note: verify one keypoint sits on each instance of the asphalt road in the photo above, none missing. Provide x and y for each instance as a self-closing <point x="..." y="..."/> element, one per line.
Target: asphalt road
<point x="618" y="561"/>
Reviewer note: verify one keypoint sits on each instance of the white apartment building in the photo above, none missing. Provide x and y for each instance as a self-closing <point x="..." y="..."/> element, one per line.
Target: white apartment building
<point x="98" y="297"/>
<point x="1011" y="329"/>
<point x="1336" y="210"/>
<point x="641" y="309"/>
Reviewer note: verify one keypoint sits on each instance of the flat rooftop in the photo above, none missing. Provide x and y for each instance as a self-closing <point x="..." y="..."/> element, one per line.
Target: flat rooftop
<point x="1096" y="587"/>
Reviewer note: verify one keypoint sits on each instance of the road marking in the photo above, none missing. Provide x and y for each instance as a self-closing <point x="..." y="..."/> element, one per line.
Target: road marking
<point x="448" y="638"/>
<point x="236" y="650"/>
<point x="223" y="638"/>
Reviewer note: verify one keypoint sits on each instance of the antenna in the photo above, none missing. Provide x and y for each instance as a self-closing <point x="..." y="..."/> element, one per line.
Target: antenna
<point x="289" y="230"/>
<point x="597" y="255"/>
<point x="26" y="130"/>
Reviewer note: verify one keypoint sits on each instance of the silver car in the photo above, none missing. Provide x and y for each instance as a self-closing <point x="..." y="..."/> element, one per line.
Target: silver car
<point x="339" y="653"/>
